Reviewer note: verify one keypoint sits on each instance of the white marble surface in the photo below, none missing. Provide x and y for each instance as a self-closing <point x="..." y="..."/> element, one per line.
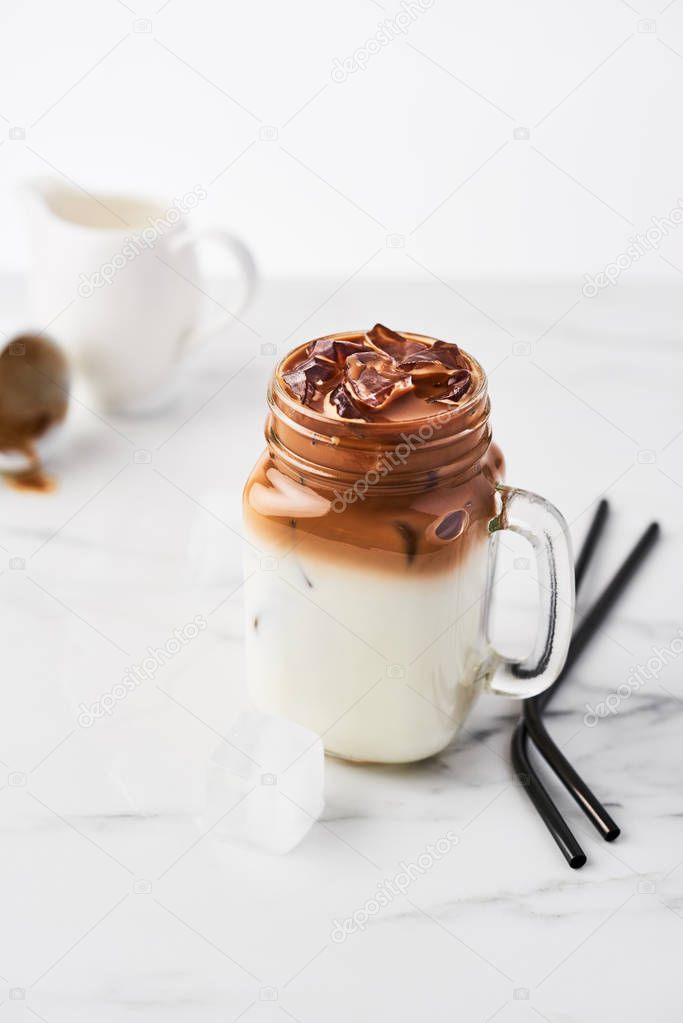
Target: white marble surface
<point x="112" y="911"/>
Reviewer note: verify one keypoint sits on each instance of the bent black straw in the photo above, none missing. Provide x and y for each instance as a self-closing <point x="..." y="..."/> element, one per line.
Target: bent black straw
<point x="539" y="796"/>
<point x="533" y="725"/>
<point x="593" y="619"/>
<point x="536" y="790"/>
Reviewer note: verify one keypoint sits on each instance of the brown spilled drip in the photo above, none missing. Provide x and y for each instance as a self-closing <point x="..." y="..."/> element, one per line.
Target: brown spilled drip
<point x="33" y="477"/>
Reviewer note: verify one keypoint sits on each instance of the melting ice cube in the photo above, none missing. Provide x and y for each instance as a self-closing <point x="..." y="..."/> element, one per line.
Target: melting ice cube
<point x="266" y="782"/>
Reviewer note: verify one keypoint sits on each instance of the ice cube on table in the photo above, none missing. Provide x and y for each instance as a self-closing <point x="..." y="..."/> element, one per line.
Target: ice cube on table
<point x="266" y="782"/>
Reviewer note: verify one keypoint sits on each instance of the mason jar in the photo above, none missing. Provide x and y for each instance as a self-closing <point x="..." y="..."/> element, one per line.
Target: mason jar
<point x="370" y="551"/>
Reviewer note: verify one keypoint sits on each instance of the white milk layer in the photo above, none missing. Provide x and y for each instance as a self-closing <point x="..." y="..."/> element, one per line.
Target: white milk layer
<point x="383" y="666"/>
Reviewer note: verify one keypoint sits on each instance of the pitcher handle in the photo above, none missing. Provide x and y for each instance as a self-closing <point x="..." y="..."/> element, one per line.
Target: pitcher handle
<point x="237" y="249"/>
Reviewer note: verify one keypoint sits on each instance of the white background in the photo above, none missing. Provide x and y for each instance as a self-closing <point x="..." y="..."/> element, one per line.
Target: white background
<point x="419" y="144"/>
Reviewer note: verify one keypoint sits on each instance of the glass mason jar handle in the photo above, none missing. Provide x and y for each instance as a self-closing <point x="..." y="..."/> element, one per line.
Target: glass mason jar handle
<point x="544" y="527"/>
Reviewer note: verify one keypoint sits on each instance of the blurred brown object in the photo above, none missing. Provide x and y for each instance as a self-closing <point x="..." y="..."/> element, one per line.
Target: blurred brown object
<point x="34" y="397"/>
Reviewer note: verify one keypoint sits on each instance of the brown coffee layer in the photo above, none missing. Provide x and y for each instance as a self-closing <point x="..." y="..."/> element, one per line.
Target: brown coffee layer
<point x="415" y="533"/>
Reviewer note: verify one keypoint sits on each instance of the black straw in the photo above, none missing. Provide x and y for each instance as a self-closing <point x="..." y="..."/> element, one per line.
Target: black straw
<point x="540" y="797"/>
<point x="536" y="790"/>
<point x="532" y="723"/>
<point x="596" y="615"/>
<point x="570" y="778"/>
<point x="591" y="542"/>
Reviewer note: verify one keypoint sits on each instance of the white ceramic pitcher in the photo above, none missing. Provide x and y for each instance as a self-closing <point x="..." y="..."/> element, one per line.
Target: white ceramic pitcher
<point x="114" y="280"/>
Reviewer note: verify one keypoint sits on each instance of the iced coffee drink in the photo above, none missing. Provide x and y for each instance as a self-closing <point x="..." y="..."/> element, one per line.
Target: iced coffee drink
<point x="371" y="521"/>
